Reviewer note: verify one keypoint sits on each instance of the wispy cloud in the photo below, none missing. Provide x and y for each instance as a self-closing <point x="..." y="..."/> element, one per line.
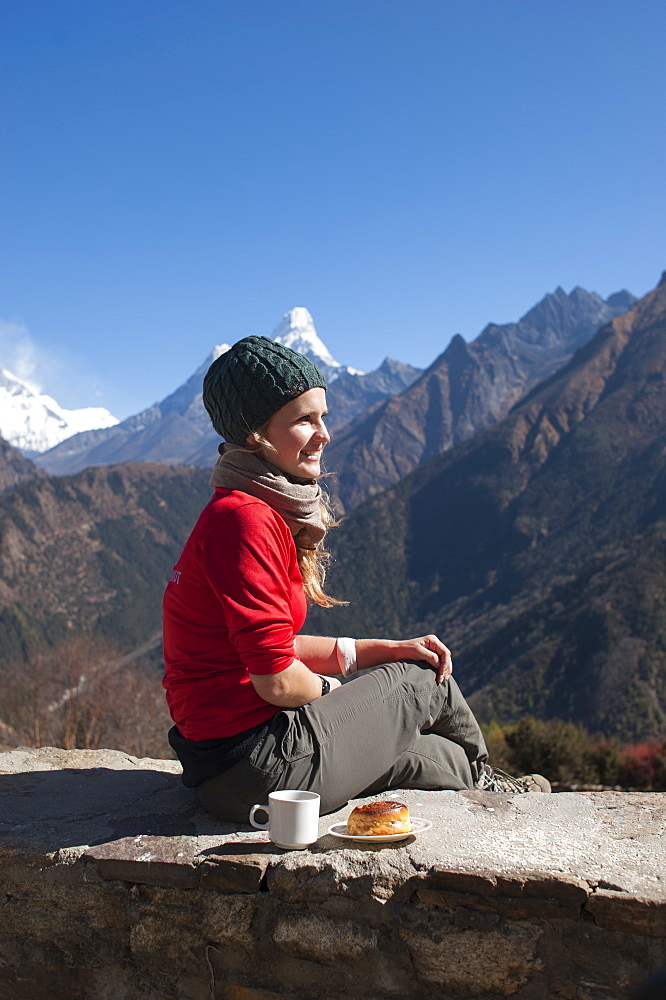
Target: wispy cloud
<point x="19" y="353"/>
<point x="51" y="370"/>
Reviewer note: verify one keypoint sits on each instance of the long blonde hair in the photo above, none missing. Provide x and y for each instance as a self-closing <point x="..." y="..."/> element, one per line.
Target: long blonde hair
<point x="312" y="563"/>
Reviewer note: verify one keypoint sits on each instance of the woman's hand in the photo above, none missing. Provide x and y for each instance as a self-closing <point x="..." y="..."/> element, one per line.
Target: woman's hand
<point x="429" y="648"/>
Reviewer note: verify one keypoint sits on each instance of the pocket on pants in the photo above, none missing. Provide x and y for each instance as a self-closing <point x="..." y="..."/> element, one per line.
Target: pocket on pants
<point x="298" y="740"/>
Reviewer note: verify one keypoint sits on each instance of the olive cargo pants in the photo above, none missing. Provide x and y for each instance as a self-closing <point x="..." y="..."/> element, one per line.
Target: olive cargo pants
<point x="389" y="727"/>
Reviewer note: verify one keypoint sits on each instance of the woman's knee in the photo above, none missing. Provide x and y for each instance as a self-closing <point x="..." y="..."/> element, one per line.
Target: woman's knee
<point x="442" y="761"/>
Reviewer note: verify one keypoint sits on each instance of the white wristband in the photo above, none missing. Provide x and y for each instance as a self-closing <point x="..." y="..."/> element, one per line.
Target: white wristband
<point x="345" y="649"/>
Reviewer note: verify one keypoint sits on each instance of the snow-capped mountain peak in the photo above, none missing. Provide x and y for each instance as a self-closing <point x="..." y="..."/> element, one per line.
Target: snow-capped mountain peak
<point x="297" y="330"/>
<point x="34" y="422"/>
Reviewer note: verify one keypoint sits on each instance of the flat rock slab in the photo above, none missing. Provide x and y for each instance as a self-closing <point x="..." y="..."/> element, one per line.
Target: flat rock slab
<point x="135" y="818"/>
<point x="115" y="884"/>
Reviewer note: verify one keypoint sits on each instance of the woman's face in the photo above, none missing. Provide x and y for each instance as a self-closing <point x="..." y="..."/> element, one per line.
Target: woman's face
<point x="297" y="435"/>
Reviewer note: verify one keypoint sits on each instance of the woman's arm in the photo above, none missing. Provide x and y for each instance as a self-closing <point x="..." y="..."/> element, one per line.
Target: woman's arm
<point x="290" y="688"/>
<point x="319" y="653"/>
<point x="300" y="683"/>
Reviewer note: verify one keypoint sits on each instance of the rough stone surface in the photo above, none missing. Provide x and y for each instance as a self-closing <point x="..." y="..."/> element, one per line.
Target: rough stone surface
<point x="115" y="886"/>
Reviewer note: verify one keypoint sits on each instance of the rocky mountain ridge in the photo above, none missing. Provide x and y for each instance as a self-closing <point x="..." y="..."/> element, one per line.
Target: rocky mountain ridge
<point x="171" y="431"/>
<point x="468" y="387"/>
<point x="177" y="430"/>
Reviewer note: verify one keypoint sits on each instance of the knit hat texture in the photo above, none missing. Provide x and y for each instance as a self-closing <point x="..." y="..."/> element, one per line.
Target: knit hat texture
<point x="251" y="381"/>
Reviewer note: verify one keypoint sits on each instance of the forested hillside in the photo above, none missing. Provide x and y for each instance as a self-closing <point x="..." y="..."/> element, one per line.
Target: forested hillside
<point x="91" y="553"/>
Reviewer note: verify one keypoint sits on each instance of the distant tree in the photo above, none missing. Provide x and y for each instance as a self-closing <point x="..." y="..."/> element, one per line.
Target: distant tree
<point x="85" y="694"/>
<point x="643" y="765"/>
<point x="604" y="759"/>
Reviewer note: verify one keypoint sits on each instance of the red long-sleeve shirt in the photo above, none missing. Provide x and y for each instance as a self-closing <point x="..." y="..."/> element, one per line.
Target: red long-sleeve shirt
<point x="232" y="607"/>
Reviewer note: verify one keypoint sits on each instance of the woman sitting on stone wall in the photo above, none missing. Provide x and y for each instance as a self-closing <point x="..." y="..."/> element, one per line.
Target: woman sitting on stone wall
<point x="258" y="707"/>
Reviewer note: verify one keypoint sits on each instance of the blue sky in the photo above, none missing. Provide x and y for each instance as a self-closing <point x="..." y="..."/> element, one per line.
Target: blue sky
<point x="179" y="173"/>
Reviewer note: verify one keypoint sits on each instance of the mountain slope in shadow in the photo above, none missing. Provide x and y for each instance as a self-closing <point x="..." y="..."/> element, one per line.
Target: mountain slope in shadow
<point x="537" y="550"/>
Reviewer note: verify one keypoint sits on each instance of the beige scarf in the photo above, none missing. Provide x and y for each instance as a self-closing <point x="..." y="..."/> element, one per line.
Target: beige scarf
<point x="297" y="501"/>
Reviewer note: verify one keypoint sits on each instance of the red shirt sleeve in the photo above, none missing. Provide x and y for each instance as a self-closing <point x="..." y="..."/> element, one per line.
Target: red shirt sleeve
<point x="247" y="561"/>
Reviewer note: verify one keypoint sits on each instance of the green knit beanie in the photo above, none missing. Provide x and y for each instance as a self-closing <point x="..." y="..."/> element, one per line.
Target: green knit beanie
<point x="251" y="381"/>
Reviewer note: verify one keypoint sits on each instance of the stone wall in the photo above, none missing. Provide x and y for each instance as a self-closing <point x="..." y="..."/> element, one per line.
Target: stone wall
<point x="116" y="887"/>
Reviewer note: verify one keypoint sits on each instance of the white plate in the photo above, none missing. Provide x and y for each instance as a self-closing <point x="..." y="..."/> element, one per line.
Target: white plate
<point x="418" y="826"/>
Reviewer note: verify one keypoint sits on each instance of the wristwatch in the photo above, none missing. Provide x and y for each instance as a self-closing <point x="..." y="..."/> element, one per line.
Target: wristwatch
<point x="325" y="685"/>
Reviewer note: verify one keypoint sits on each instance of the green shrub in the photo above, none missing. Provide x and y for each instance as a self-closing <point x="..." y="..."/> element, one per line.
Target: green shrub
<point x="566" y="754"/>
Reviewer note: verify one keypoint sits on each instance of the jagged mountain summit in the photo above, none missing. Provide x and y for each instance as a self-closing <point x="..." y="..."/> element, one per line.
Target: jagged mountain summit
<point x="296" y="330"/>
<point x="467" y="388"/>
<point x="178" y="430"/>
<point x="536" y="549"/>
<point x="34" y="422"/>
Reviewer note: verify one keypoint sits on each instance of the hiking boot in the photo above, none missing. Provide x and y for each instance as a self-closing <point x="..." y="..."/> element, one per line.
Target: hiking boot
<point x="494" y="780"/>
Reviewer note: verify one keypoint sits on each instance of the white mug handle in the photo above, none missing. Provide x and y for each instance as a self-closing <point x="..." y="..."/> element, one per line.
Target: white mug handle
<point x="253" y="822"/>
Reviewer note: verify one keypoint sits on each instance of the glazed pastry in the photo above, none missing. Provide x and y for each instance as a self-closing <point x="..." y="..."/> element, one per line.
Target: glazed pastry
<point x="379" y="819"/>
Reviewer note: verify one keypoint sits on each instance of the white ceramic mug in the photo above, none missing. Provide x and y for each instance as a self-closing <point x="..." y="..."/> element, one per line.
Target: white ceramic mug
<point x="293" y="818"/>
